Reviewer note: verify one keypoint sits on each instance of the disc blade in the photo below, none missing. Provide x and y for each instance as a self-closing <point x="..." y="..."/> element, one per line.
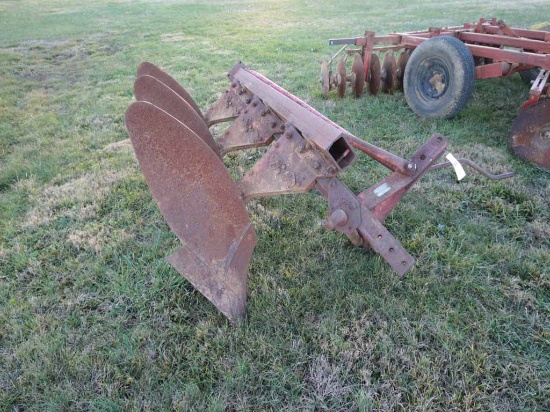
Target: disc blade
<point x="402" y="61"/>
<point x="359" y="81"/>
<point x="200" y="203"/>
<point x="146" y="68"/>
<point x="149" y="89"/>
<point x="374" y="74"/>
<point x="530" y="134"/>
<point x="389" y="68"/>
<point x="341" y="78"/>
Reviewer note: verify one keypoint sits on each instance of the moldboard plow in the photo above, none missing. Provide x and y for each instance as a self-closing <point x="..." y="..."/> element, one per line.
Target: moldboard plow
<point x="182" y="164"/>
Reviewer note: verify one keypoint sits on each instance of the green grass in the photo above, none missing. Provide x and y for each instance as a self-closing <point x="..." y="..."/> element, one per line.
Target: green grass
<point x="93" y="319"/>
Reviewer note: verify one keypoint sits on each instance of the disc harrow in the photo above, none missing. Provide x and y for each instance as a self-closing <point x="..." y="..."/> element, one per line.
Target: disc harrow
<point x="437" y="69"/>
<point x="183" y="167"/>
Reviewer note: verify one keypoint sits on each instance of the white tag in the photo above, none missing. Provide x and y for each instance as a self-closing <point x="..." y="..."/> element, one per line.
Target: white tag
<point x="459" y="170"/>
<point x="382" y="190"/>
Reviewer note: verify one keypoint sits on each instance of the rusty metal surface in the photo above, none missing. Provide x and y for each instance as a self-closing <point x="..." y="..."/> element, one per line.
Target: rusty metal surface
<point x="358" y="82"/>
<point x="402" y="61"/>
<point x="375" y="75"/>
<point x="383" y="243"/>
<point x="348" y="216"/>
<point x="314" y="127"/>
<point x="256" y="126"/>
<point x="200" y="203"/>
<point x="530" y="134"/>
<point x="290" y="165"/>
<point x="382" y="197"/>
<point x="389" y="74"/>
<point x="146" y="68"/>
<point x="149" y="89"/>
<point x="228" y="106"/>
<point x="341" y="78"/>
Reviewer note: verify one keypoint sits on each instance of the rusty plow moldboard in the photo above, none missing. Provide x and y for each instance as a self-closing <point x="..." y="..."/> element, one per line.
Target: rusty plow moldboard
<point x="182" y="164"/>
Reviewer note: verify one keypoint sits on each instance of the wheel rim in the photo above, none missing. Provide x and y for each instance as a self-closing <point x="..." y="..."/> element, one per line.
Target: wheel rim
<point x="432" y="80"/>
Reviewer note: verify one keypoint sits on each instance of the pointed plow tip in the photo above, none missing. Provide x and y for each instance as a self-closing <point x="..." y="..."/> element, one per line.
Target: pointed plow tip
<point x="230" y="300"/>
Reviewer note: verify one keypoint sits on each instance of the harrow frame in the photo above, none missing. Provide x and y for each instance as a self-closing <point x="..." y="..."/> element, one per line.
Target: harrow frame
<point x="485" y="49"/>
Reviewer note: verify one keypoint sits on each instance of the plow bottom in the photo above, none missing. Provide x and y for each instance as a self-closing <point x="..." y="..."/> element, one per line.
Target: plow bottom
<point x="200" y="203"/>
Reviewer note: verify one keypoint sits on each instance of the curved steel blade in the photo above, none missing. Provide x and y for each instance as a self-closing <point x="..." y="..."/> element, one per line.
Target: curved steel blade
<point x="374" y="74"/>
<point x="530" y="134"/>
<point x="146" y="68"/>
<point x="152" y="90"/>
<point x="389" y="68"/>
<point x="200" y="203"/>
<point x="359" y="70"/>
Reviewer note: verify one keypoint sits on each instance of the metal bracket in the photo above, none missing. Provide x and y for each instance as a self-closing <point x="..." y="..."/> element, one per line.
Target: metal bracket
<point x="255" y="127"/>
<point x="290" y="165"/>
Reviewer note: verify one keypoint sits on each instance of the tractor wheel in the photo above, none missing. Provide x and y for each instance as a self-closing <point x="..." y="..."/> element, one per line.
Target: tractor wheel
<point x="439" y="77"/>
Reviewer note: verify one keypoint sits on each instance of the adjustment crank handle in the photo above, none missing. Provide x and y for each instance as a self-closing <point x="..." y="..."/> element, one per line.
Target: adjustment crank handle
<point x="478" y="168"/>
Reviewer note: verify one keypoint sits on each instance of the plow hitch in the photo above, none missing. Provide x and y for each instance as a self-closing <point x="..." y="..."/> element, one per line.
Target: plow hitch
<point x="182" y="164"/>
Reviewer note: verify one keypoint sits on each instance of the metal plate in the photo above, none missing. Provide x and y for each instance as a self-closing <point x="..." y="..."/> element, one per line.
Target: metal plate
<point x="389" y="74"/>
<point x="358" y="70"/>
<point x="200" y="203"/>
<point x="146" y="68"/>
<point x="325" y="79"/>
<point x="374" y="74"/>
<point x="530" y="134"/>
<point x="341" y="78"/>
<point x="149" y="89"/>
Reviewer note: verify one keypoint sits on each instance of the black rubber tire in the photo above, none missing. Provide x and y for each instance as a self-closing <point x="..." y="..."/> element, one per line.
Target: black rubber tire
<point x="451" y="61"/>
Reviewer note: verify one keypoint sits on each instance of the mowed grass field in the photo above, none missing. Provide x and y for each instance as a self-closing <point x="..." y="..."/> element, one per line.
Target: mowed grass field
<point x="93" y="319"/>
